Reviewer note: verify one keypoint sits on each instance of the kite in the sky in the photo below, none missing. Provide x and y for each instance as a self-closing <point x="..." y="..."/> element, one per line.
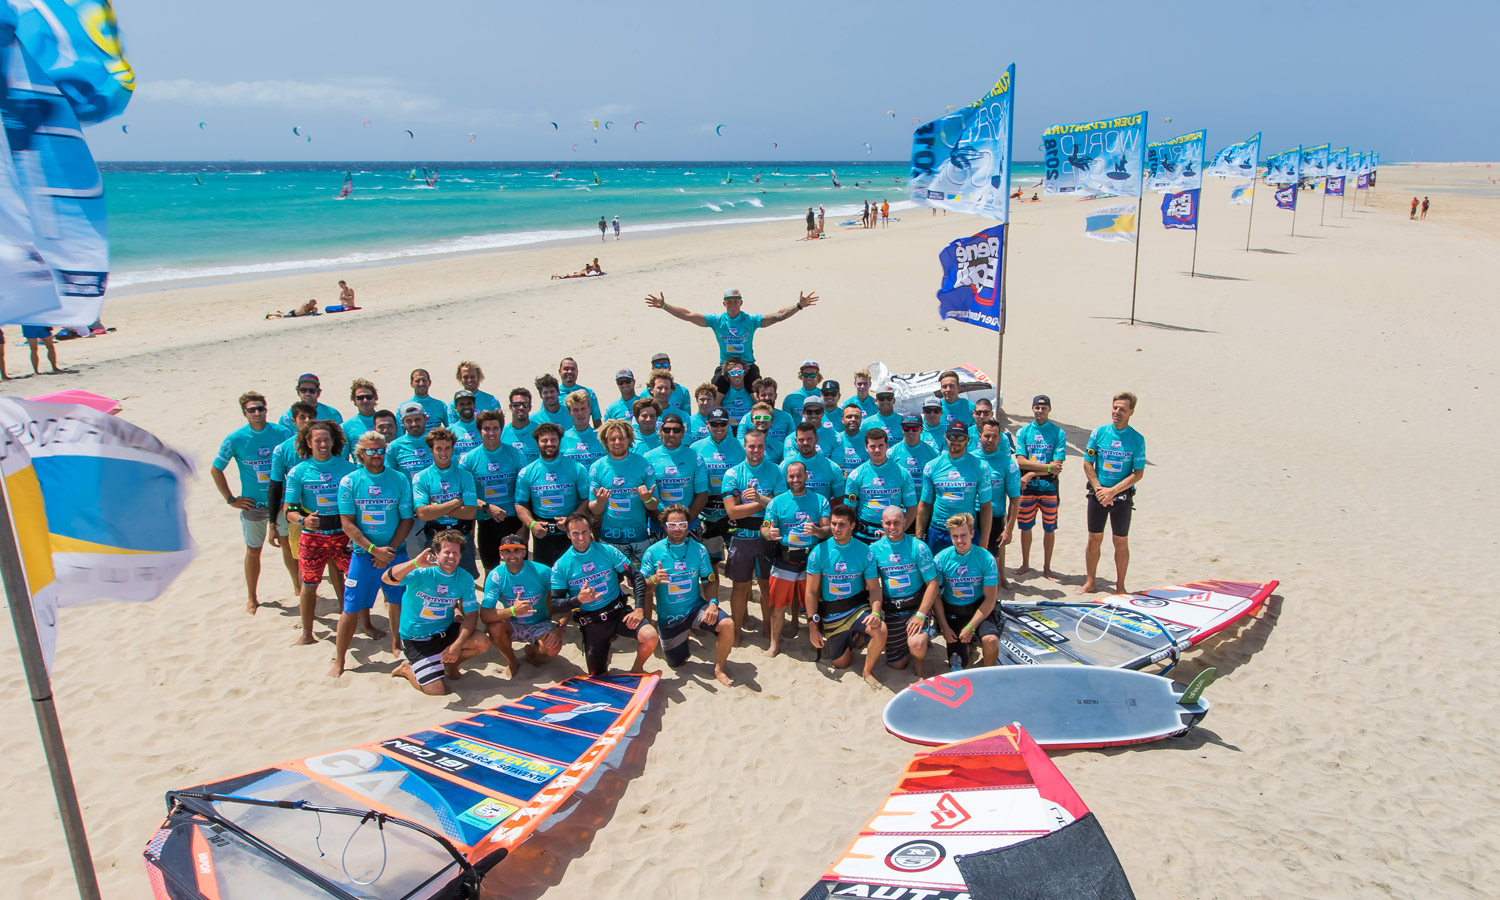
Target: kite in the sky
<point x="472" y="137"/>
<point x="295" y="131"/>
<point x="774" y="145"/>
<point x="607" y="124"/>
<point x="891" y="113"/>
<point x="125" y="128"/>
<point x="949" y="108"/>
<point x="202" y="125"/>
<point x="719" y="131"/>
<point x="364" y="123"/>
<point x="554" y="126"/>
<point x="867" y="148"/>
<point x="410" y="135"/>
<point x="595" y="123"/>
<point x="575" y="148"/>
<point x="638" y="124"/>
<point x="916" y="121"/>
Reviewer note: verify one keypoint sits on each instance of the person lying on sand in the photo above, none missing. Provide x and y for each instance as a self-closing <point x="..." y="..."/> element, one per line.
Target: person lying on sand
<point x="587" y="270"/>
<point x="310" y="308"/>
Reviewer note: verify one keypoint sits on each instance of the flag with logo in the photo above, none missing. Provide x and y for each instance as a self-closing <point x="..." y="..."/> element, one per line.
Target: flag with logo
<point x="1111" y="223"/>
<point x="97" y="504"/>
<point x="1177" y="165"/>
<point x="1107" y="157"/>
<point x="1333" y="185"/>
<point x="1180" y="210"/>
<point x="1282" y="168"/>
<point x="962" y="160"/>
<point x="1237" y="160"/>
<point x="971" y="280"/>
<point x="1338" y="162"/>
<point x="1244" y="192"/>
<point x="1315" y="161"/>
<point x="1286" y="197"/>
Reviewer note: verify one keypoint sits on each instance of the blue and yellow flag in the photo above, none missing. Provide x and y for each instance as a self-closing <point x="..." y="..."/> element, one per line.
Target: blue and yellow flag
<point x="1176" y="165"/>
<point x="1283" y="168"/>
<point x="1107" y="157"/>
<point x="1111" y="223"/>
<point x="1237" y="160"/>
<point x="1244" y="192"/>
<point x="77" y="43"/>
<point x="962" y="161"/>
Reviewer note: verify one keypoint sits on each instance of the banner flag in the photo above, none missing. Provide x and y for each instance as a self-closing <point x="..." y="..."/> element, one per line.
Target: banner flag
<point x="98" y="506"/>
<point x="1282" y="168"/>
<point x="1111" y="223"/>
<point x="1237" y="160"/>
<point x="1244" y="192"/>
<point x="1180" y="210"/>
<point x="1315" y="161"/>
<point x="1286" y="197"/>
<point x="1177" y="165"/>
<point x="1338" y="163"/>
<point x="962" y="161"/>
<point x="1105" y="157"/>
<point x="1364" y="182"/>
<point x="1334" y="186"/>
<point x="971" y="280"/>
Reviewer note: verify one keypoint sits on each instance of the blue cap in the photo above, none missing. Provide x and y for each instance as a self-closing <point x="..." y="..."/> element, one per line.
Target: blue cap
<point x="911" y="420"/>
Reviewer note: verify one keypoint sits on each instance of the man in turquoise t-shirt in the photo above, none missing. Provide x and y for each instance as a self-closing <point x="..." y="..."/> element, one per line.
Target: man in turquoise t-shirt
<point x="586" y="580"/>
<point x="736" y="398"/>
<point x="621" y="408"/>
<point x="678" y="569"/>
<point x="1114" y="461"/>
<point x="514" y="607"/>
<point x="309" y="390"/>
<point x="763" y="417"/>
<point x="580" y="442"/>
<point x="934" y="426"/>
<point x="461" y="423"/>
<point x="366" y="402"/>
<point x="733" y="329"/>
<point x="409" y="453"/>
<point x="1041" y="447"/>
<point x="567" y="383"/>
<point x="251" y="447"/>
<point x="697" y="425"/>
<point x="679" y="473"/>
<point x="547" y="492"/>
<point x="434" y="409"/>
<point x="862" y="399"/>
<point x="811" y="377"/>
<point x="644" y="413"/>
<point x="445" y="496"/>
<point x="849" y="444"/>
<point x="312" y="503"/>
<point x="824" y="434"/>
<point x="844" y="597"/>
<point x="824" y="477"/>
<point x="681" y="400"/>
<point x="885" y="416"/>
<point x="956" y="482"/>
<point x="795" y="522"/>
<point x="495" y="466"/>
<point x="668" y="394"/>
<point x="876" y="484"/>
<point x="376" y="508"/>
<point x="439" y="615"/>
<point x="283" y="459"/>
<point x="913" y="454"/>
<point x="955" y="407"/>
<point x="748" y="488"/>
<point x="968" y="581"/>
<point x="470" y="376"/>
<point x="1005" y="487"/>
<point x="519" y="432"/>
<point x="719" y="452"/>
<point x="623" y="491"/>
<point x="906" y="568"/>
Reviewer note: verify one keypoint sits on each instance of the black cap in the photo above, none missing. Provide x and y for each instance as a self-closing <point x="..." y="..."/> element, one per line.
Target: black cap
<point x="830" y="387"/>
<point x="670" y="417"/>
<point x="1041" y="400"/>
<point x="957" y="429"/>
<point x="717" y="414"/>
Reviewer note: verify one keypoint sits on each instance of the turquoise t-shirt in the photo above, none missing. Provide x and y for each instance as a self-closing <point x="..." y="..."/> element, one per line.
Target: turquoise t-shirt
<point x="409" y="454"/>
<point x="955" y="486"/>
<point x="503" y="589"/>
<point x="680" y="475"/>
<point x="434" y="600"/>
<point x="844" y="568"/>
<point x="717" y="460"/>
<point x="866" y="406"/>
<point x="960" y="410"/>
<point x="965" y="576"/>
<point x="737" y="402"/>
<point x="1044" y="444"/>
<point x="826" y="437"/>
<point x="436" y="410"/>
<point x="644" y="443"/>
<point x="871" y="488"/>
<point x="522" y="440"/>
<point x="252" y="451"/>
<point x="781" y="426"/>
<point x="376" y="503"/>
<point x="697" y="429"/>
<point x="483" y="400"/>
<point x="284" y="458"/>
<point x="582" y="447"/>
<point x="563" y="391"/>
<point x="936" y="435"/>
<point x="625" y="517"/>
<point x="561" y="418"/>
<point x="434" y="485"/>
<point x="495" y="474"/>
<point x="823" y="475"/>
<point x="796" y="516"/>
<point x="890" y="424"/>
<point x="465" y="436"/>
<point x="905" y="566"/>
<point x="736" y="336"/>
<point x="792" y="402"/>
<point x="1005" y="476"/>
<point x="767" y="481"/>
<point x="1115" y="453"/>
<point x="313" y="487"/>
<point x="913" y="459"/>
<point x="552" y="489"/>
<point x="849" y="451"/>
<point x="325" y="413"/>
<point x="598" y="567"/>
<point x="356" y="427"/>
<point x="620" y="409"/>
<point x="685" y="568"/>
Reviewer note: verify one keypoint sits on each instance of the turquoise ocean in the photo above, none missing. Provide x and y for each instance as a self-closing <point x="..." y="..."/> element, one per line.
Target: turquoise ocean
<point x="175" y="220"/>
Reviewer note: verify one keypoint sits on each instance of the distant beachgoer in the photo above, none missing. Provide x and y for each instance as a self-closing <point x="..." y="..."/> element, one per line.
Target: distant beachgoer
<point x="1425" y="204"/>
<point x="885" y="214"/>
<point x="346" y="296"/>
<point x="1413" y="208"/>
<point x="864" y="217"/>
<point x="603" y="227"/>
<point x="812" y="224"/>
<point x="820" y="219"/>
<point x="310" y="308"/>
<point x="1114" y="462"/>
<point x="43" y="333"/>
<point x="3" y="376"/>
<point x="617" y="231"/>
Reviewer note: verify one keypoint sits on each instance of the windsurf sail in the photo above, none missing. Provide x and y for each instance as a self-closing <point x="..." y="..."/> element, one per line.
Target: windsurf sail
<point x="423" y="815"/>
<point x="1127" y="631"/>
<point x="986" y="818"/>
<point x="430" y="176"/>
<point x="348" y="187"/>
<point x="835" y="176"/>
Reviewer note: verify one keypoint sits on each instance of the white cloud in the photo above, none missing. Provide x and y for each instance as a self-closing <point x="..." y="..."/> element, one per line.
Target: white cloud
<point x="362" y="95"/>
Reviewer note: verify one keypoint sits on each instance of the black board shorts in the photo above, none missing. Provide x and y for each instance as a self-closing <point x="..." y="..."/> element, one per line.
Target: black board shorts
<point x="599" y="629"/>
<point x="1118" y="513"/>
<point x="426" y="654"/>
<point x="957" y="622"/>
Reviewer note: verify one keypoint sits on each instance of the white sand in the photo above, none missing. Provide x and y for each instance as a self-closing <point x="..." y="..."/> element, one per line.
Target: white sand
<point x="1317" y="412"/>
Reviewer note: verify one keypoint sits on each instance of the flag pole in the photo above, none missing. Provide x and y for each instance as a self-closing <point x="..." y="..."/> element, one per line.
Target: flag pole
<point x="1004" y="259"/>
<point x="1254" y="174"/>
<point x="1197" y="225"/>
<point x="23" y="619"/>
<point x="1324" y="207"/>
<point x="1296" y="186"/>
<point x="1140" y="214"/>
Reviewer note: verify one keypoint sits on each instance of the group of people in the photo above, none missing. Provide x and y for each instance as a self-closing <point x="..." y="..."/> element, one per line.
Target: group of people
<point x="876" y="213"/>
<point x="604" y="226"/>
<point x="1422" y="206"/>
<point x="487" y="524"/>
<point x="310" y="307"/>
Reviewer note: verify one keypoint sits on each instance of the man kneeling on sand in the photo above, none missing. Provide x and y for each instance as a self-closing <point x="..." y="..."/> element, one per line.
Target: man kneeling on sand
<point x="439" y="615"/>
<point x="514" y="609"/>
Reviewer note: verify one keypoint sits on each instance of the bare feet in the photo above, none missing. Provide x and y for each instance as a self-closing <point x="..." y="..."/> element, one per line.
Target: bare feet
<point x="1004" y="584"/>
<point x="1050" y="575"/>
<point x="773" y="650"/>
<point x="371" y="632"/>
<point x="723" y="678"/>
<point x="640" y="669"/>
<point x="532" y="656"/>
<point x="1022" y="569"/>
<point x="402" y="671"/>
<point x="335" y="670"/>
<point x="1086" y="588"/>
<point x="512" y="665"/>
<point x="304" y="640"/>
<point x="251" y="606"/>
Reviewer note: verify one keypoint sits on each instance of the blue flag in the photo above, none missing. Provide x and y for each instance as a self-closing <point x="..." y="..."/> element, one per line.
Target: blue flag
<point x="77" y="43"/>
<point x="1286" y="197"/>
<point x="962" y="161"/>
<point x="1334" y="185"/>
<point x="1237" y="160"/>
<point x="1105" y="158"/>
<point x="1283" y="167"/>
<point x="1338" y="162"/>
<point x="1315" y="161"/>
<point x="1180" y="210"/>
<point x="971" y="280"/>
<point x="1176" y="165"/>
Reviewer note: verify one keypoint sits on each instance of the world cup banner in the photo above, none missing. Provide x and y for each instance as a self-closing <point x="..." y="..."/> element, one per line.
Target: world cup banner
<point x="1180" y="210"/>
<point x="962" y="161"/>
<point x="1334" y="185"/>
<point x="1338" y="162"/>
<point x="1176" y="165"/>
<point x="1237" y="160"/>
<point x="1315" y="161"/>
<point x="971" y="280"/>
<point x="1106" y="158"/>
<point x="1282" y="168"/>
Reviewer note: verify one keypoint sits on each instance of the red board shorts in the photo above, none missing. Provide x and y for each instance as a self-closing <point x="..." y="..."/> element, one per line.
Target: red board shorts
<point x="316" y="551"/>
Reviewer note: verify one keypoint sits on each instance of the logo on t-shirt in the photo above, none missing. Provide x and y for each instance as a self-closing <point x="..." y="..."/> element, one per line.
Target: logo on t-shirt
<point x="840" y="566"/>
<point x="588" y="567"/>
<point x="493" y="467"/>
<point x="963" y="570"/>
<point x="374" y="490"/>
<point x="618" y="481"/>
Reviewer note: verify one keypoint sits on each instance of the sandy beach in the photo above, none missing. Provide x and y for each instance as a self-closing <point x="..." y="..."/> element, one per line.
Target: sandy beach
<point x="1299" y="402"/>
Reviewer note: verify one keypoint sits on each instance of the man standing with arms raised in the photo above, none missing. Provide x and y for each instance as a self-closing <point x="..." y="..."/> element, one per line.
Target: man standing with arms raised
<point x="1113" y="462"/>
<point x="733" y="329"/>
<point x="1041" y="448"/>
<point x="251" y="447"/>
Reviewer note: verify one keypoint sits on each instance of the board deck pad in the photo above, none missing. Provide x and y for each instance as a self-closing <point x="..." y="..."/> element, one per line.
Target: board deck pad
<point x="1119" y="632"/>
<point x="1060" y="706"/>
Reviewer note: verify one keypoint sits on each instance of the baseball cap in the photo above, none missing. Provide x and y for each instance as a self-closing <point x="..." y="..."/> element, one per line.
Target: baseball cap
<point x="459" y="395"/>
<point x="661" y="357"/>
<point x="309" y="378"/>
<point x="830" y="387"/>
<point x="911" y="420"/>
<point x="885" y="393"/>
<point x="624" y="373"/>
<point x="670" y="417"/>
<point x="932" y="403"/>
<point x="957" y="429"/>
<point x="513" y="540"/>
<point x="717" y="414"/>
<point x="810" y="364"/>
<point x="1042" y="400"/>
<point x="733" y="293"/>
<point x="411" y="408"/>
<point x="812" y="401"/>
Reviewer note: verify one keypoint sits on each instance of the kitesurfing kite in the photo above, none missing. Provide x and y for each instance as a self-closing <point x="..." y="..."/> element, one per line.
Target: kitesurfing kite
<point x="949" y="108"/>
<point x="554" y="126"/>
<point x="867" y="148"/>
<point x="202" y="125"/>
<point x="916" y="121"/>
<point x="410" y="136"/>
<point x="607" y="124"/>
<point x="575" y="148"/>
<point x="774" y="145"/>
<point x="595" y="123"/>
<point x="125" y="128"/>
<point x="891" y="113"/>
<point x="719" y="131"/>
<point x="364" y="123"/>
<point x="296" y="131"/>
<point x="637" y="125"/>
<point x="472" y="137"/>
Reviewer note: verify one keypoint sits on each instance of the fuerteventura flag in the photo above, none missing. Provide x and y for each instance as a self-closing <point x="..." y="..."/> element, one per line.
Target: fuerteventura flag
<point x="1111" y="223"/>
<point x="1244" y="192"/>
<point x="1286" y="197"/>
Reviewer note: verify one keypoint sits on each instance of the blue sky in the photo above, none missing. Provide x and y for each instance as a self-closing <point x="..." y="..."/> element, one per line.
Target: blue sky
<point x="816" y="78"/>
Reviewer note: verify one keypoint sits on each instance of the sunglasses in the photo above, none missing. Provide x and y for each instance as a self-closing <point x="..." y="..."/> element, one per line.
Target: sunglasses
<point x="812" y="374"/>
<point x="717" y="423"/>
<point x="664" y="364"/>
<point x="677" y="526"/>
<point x="911" y="427"/>
<point x="958" y="437"/>
<point x="373" y="451"/>
<point x="671" y="429"/>
<point x="760" y="418"/>
<point x="526" y="405"/>
<point x="736" y="374"/>
<point x="255" y="409"/>
<point x="361" y="397"/>
<point x="624" y="381"/>
<point x="309" y="390"/>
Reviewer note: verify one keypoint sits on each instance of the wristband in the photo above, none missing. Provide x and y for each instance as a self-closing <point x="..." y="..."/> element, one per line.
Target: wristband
<point x="969" y="627"/>
<point x="920" y="615"/>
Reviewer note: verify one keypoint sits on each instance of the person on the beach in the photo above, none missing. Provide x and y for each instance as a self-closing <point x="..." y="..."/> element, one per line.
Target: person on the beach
<point x="309" y="308"/>
<point x="1114" y="461"/>
<point x="617" y="228"/>
<point x="833" y="413"/>
<point x="734" y="397"/>
<point x="984" y="411"/>
<point x="885" y="416"/>
<point x="913" y="453"/>
<point x="719" y="452"/>
<point x="1425" y="204"/>
<point x="794" y="523"/>
<point x="580" y="442"/>
<point x="706" y="398"/>
<point x="862" y="398"/>
<point x="435" y="409"/>
<point x="644" y="413"/>
<point x="310" y="391"/>
<point x="549" y="392"/>
<point x="885" y="214"/>
<point x="820" y="220"/>
<point x="251" y="447"/>
<point x="375" y="507"/>
<point x="549" y="490"/>
<point x="1041" y="448"/>
<point x="934" y="428"/>
<point x="514" y="607"/>
<point x="1005" y="487"/>
<point x="520" y="431"/>
<point x="812" y="224"/>
<point x="849" y="443"/>
<point x="748" y="488"/>
<point x="823" y="434"/>
<point x="906" y="568"/>
<point x="603" y="226"/>
<point x="844" y="597"/>
<point x="594" y="268"/>
<point x="470" y="376"/>
<point x="875" y="484"/>
<point x="665" y="391"/>
<point x="312" y="504"/>
<point x="567" y="383"/>
<point x="286" y="455"/>
<point x="953" y="484"/>
<point x="956" y="408"/>
<point x="386" y="425"/>
<point x="824" y="477"/>
<point x="42" y="333"/>
<point x="681" y="400"/>
<point x="968" y="581"/>
<point x="439" y="616"/>
<point x="495" y="466"/>
<point x="733" y="329"/>
<point x="778" y="425"/>
<point x="864" y="217"/>
<point x="445" y="496"/>
<point x="625" y="384"/>
<point x="461" y="423"/>
<point x="587" y="580"/>
<point x="1413" y="208"/>
<point x="811" y="376"/>
<point x="679" y="473"/>
<point x="346" y="296"/>
<point x="409" y="452"/>
<point x="678" y="570"/>
<point x="622" y="486"/>
<point x="365" y="398"/>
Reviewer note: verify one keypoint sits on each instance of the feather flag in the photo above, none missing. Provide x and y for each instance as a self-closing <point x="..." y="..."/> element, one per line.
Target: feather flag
<point x="1111" y="223"/>
<point x="1237" y="160"/>
<point x="1106" y="157"/>
<point x="1180" y="210"/>
<point x="1286" y="197"/>
<point x="1176" y="165"/>
<point x="962" y="160"/>
<point x="971" y="280"/>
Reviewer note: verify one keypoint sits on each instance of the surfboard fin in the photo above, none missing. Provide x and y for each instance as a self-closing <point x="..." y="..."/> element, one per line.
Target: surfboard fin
<point x="1196" y="686"/>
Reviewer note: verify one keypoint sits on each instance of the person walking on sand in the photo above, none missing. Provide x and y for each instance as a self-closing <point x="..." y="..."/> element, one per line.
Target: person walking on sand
<point x="1114" y="461"/>
<point x="617" y="230"/>
<point x="885" y="214"/>
<point x="1413" y="208"/>
<point x="603" y="227"/>
<point x="1425" y="204"/>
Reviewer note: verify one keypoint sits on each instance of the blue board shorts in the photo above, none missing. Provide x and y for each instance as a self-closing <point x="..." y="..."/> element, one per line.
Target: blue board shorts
<point x="36" y="332"/>
<point x="362" y="585"/>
